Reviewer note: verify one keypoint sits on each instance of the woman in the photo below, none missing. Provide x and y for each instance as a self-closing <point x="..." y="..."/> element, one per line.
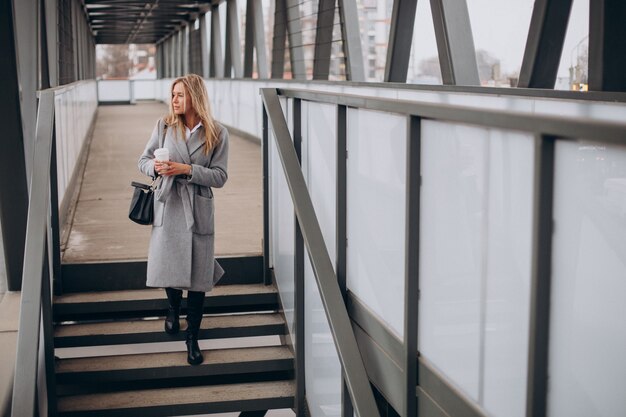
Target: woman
<point x="181" y="255"/>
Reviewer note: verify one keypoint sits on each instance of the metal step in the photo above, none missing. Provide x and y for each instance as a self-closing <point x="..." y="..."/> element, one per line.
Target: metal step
<point x="152" y="302"/>
<point x="142" y="367"/>
<point x="181" y="401"/>
<point x="147" y="331"/>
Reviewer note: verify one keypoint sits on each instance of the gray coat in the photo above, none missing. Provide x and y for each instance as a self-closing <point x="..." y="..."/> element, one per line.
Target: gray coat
<point x="181" y="253"/>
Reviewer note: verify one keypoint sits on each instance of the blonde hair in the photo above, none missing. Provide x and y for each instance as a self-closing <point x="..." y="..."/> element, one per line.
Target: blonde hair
<point x="194" y="86"/>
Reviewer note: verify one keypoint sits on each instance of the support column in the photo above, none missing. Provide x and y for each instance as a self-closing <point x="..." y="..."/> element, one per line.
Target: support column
<point x="400" y="40"/>
<point x="13" y="183"/>
<point x="204" y="45"/>
<point x="280" y="39"/>
<point x="323" y="39"/>
<point x="351" y="40"/>
<point x="607" y="43"/>
<point x="455" y="42"/>
<point x="544" y="46"/>
<point x="52" y="32"/>
<point x="233" y="42"/>
<point x="296" y="49"/>
<point x="255" y="35"/>
<point x="26" y="18"/>
<point x="216" y="57"/>
<point x="185" y="50"/>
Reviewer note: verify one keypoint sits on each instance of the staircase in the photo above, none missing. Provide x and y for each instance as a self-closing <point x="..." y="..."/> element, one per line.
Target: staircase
<point x="156" y="382"/>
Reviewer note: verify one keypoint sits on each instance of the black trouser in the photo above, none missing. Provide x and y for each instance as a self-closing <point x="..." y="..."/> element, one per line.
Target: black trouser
<point x="195" y="304"/>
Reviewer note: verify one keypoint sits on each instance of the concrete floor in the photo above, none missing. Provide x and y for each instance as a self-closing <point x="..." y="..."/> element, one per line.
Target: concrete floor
<point x="101" y="230"/>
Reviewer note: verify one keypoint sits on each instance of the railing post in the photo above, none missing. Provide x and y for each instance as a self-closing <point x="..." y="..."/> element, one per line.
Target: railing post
<point x="347" y="410"/>
<point x="300" y="405"/>
<point x="267" y="274"/>
<point x="411" y="267"/>
<point x="48" y="337"/>
<point x="54" y="237"/>
<point x="539" y="325"/>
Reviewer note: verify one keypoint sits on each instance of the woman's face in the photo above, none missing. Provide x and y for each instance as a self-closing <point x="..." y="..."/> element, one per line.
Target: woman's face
<point x="181" y="101"/>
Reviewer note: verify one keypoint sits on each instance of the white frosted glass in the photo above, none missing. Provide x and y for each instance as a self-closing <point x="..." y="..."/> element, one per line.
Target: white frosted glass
<point x="282" y="239"/>
<point x="376" y="176"/>
<point x="476" y="205"/>
<point x="113" y="90"/>
<point x="507" y="296"/>
<point x="322" y="367"/>
<point x="319" y="155"/>
<point x="144" y="89"/>
<point x="75" y="107"/>
<point x="587" y="311"/>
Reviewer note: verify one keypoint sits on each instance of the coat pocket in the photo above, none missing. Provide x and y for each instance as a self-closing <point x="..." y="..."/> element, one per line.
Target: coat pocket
<point x="203" y="214"/>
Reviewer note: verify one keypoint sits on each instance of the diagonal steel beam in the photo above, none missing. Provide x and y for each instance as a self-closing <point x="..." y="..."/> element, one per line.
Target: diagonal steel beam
<point x="455" y="42"/>
<point x="323" y="39"/>
<point x="296" y="49"/>
<point x="544" y="45"/>
<point x="607" y="45"/>
<point x="351" y="38"/>
<point x="400" y="40"/>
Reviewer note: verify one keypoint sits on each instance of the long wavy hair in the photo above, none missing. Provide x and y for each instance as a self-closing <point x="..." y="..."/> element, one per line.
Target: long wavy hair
<point x="194" y="86"/>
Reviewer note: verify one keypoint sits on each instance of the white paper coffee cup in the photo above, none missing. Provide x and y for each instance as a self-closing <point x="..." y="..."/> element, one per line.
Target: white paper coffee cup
<point x="162" y="154"/>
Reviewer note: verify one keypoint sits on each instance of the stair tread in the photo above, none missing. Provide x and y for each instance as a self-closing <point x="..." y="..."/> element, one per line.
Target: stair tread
<point x="151" y="326"/>
<point x="157" y="293"/>
<point x="177" y="396"/>
<point x="171" y="359"/>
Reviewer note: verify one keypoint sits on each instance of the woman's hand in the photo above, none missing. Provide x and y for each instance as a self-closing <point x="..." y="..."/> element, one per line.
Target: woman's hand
<point x="168" y="168"/>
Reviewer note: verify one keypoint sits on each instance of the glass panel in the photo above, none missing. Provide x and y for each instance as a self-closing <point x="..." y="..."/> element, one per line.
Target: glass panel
<point x="374" y="24"/>
<point x="319" y="151"/>
<point x="588" y="313"/>
<point x="376" y="176"/>
<point x="282" y="238"/>
<point x="500" y="30"/>
<point x="424" y="67"/>
<point x="322" y="367"/>
<point x="573" y="68"/>
<point x="508" y="261"/>
<point x="475" y="228"/>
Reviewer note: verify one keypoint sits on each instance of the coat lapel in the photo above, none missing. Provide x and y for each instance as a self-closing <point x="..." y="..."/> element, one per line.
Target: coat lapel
<point x="196" y="140"/>
<point x="181" y="146"/>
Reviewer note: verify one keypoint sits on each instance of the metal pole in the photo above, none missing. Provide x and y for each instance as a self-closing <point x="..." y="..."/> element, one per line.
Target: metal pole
<point x="539" y="326"/>
<point x="299" y="283"/>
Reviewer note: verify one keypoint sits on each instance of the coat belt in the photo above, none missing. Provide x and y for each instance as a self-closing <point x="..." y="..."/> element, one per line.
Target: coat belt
<point x="185" y="192"/>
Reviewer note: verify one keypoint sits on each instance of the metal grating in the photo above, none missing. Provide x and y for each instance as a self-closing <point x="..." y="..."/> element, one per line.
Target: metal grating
<point x="132" y="21"/>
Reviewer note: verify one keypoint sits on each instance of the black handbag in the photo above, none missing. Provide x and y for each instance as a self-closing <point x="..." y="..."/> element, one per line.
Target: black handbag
<point x="142" y="204"/>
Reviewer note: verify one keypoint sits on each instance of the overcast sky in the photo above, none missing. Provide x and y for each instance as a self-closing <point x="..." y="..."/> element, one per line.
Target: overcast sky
<point x="501" y="28"/>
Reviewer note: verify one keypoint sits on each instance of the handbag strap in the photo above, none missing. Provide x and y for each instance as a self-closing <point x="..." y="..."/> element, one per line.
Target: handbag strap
<point x="164" y="131"/>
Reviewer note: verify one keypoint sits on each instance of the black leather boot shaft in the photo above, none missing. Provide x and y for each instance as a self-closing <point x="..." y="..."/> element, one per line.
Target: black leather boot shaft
<point x="195" y="303"/>
<point x="172" y="322"/>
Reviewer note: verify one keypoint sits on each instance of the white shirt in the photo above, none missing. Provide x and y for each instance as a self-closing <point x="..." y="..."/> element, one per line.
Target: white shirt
<point x="189" y="132"/>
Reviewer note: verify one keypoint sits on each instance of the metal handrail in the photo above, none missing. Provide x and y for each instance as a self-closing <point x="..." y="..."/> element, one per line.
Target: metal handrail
<point x="356" y="377"/>
<point x="559" y="126"/>
<point x="36" y="267"/>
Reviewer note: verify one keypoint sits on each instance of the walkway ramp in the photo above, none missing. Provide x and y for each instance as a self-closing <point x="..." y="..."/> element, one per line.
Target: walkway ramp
<point x="100" y="230"/>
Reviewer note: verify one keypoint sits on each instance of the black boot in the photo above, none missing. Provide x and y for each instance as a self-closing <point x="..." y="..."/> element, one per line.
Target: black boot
<point x="172" y="325"/>
<point x="195" y="302"/>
